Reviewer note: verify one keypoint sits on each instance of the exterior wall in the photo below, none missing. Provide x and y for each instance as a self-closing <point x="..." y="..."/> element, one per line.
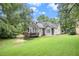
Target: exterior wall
<point x="77" y="30"/>
<point x="57" y="30"/>
<point x="77" y="27"/>
<point x="36" y="30"/>
<point x="32" y="30"/>
<point x="40" y="31"/>
<point x="48" y="31"/>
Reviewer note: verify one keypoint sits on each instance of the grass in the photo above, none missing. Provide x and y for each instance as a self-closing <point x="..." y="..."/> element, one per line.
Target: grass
<point x="57" y="45"/>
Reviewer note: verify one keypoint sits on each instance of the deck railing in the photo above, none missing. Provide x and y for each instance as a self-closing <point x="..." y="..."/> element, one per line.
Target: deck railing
<point x="27" y="34"/>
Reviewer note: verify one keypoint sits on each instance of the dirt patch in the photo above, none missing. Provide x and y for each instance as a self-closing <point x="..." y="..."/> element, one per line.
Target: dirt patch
<point x="18" y="42"/>
<point x="19" y="39"/>
<point x="20" y="36"/>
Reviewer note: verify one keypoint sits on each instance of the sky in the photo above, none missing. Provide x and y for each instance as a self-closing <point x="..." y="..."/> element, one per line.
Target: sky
<point x="48" y="9"/>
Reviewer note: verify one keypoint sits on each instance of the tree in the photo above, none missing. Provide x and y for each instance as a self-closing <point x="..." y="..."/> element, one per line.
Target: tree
<point x="68" y="14"/>
<point x="42" y="18"/>
<point x="26" y="17"/>
<point x="14" y="18"/>
<point x="54" y="20"/>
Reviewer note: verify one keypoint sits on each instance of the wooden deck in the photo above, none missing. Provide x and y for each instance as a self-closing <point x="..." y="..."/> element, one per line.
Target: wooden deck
<point x="26" y="34"/>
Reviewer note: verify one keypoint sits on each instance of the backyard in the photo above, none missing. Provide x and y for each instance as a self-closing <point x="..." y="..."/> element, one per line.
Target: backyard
<point x="56" y="45"/>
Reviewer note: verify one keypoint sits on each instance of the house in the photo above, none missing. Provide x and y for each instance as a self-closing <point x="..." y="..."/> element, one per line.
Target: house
<point x="77" y="27"/>
<point x="44" y="28"/>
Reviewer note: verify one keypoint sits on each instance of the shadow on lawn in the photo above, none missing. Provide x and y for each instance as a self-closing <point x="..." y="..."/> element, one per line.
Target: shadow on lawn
<point x="29" y="38"/>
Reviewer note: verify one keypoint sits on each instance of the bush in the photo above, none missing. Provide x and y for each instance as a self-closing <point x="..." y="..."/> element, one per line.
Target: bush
<point x="7" y="30"/>
<point x="72" y="31"/>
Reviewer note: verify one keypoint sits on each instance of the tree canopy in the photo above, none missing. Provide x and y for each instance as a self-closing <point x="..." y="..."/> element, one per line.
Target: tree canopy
<point x="14" y="19"/>
<point x="68" y="14"/>
<point x="44" y="18"/>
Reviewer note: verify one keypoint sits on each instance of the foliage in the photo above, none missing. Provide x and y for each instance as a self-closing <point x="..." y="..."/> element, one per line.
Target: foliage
<point x="68" y="14"/>
<point x="54" y="20"/>
<point x="14" y="19"/>
<point x="44" y="18"/>
<point x="7" y="30"/>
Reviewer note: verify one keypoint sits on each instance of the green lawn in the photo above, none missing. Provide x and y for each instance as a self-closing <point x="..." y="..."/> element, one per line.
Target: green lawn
<point x="59" y="45"/>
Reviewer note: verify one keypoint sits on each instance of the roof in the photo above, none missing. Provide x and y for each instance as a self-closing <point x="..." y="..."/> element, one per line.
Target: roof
<point x="44" y="24"/>
<point x="40" y="25"/>
<point x="47" y="24"/>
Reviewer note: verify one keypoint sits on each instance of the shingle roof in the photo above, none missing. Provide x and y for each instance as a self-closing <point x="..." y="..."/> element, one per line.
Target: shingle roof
<point x="40" y="25"/>
<point x="47" y="24"/>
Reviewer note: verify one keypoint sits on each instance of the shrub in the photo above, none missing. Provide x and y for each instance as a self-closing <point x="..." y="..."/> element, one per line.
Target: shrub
<point x="7" y="30"/>
<point x="72" y="31"/>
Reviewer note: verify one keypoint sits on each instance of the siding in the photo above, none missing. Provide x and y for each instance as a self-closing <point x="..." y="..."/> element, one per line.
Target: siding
<point x="77" y="30"/>
<point x="40" y="32"/>
<point x="57" y="30"/>
<point x="48" y="31"/>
